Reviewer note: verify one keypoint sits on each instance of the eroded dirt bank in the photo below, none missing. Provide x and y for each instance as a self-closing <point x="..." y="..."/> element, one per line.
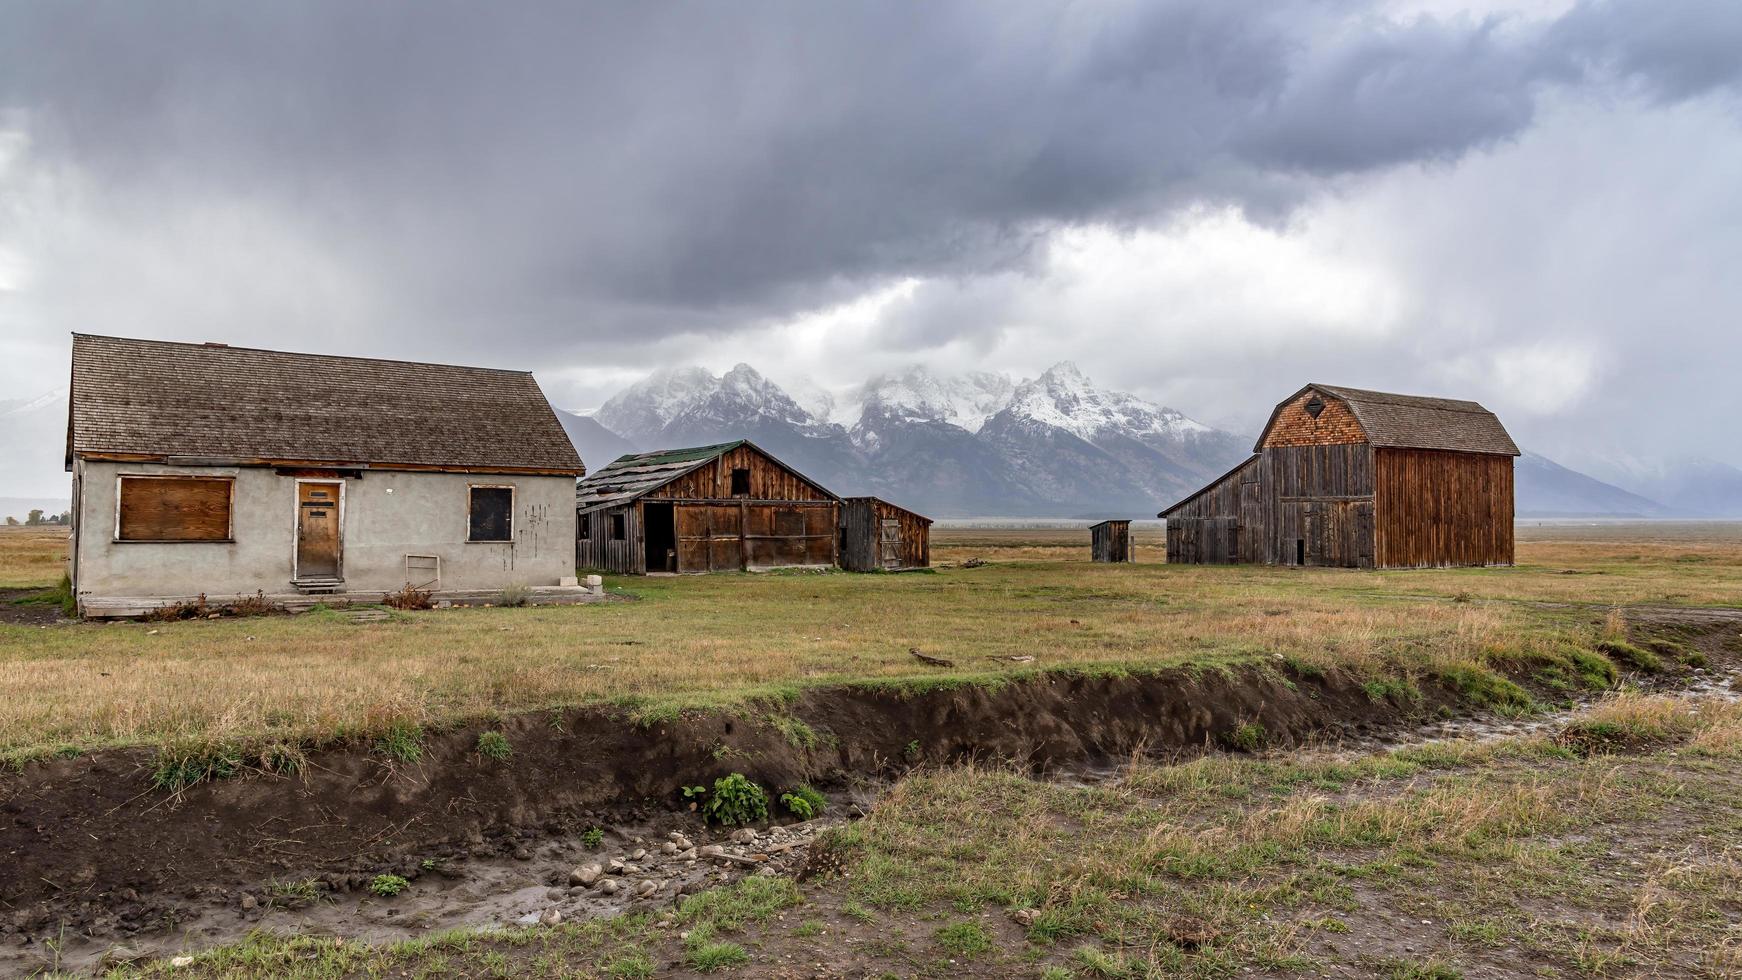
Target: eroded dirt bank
<point x="94" y="857"/>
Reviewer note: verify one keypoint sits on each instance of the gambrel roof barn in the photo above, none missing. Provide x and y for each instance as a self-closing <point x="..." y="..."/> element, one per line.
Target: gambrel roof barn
<point x="1370" y="479"/>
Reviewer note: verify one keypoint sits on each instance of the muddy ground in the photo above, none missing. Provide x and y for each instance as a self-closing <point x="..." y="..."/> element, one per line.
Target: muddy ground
<point x="94" y="858"/>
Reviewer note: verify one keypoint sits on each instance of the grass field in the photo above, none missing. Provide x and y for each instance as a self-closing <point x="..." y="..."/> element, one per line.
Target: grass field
<point x="1606" y="848"/>
<point x="690" y="641"/>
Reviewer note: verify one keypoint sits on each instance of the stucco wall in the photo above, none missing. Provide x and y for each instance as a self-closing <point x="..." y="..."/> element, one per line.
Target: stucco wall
<point x="386" y="516"/>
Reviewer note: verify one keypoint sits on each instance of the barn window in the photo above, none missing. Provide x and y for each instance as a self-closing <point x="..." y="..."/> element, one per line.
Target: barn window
<point x="1315" y="406"/>
<point x="740" y="483"/>
<point x="619" y="528"/>
<point x="173" y="508"/>
<point x="492" y="514"/>
<point x="585" y="526"/>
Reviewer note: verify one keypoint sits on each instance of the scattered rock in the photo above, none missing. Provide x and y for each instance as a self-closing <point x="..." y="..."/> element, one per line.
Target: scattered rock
<point x="668" y="848"/>
<point x="638" y="854"/>
<point x="551" y="917"/>
<point x="682" y="842"/>
<point x="609" y="886"/>
<point x="712" y="850"/>
<point x="556" y="894"/>
<point x="743" y="835"/>
<point x="522" y="854"/>
<point x="1025" y="917"/>
<point x="615" y="867"/>
<point x="180" y="961"/>
<point x="250" y="903"/>
<point x="646" y="888"/>
<point x="585" y="875"/>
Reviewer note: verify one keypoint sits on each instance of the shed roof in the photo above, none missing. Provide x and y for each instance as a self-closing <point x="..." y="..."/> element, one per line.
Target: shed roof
<point x="904" y="510"/>
<point x="160" y="399"/>
<point x="1414" y="421"/>
<point x="631" y="475"/>
<point x="1110" y="520"/>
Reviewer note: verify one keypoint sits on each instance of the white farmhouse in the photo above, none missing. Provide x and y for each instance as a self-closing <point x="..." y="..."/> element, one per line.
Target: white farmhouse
<point x="226" y="471"/>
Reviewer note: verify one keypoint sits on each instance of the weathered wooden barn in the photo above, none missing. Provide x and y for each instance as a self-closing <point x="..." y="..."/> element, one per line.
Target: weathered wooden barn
<point x="1110" y="541"/>
<point x="876" y="534"/>
<point x="1361" y="479"/>
<point x="710" y="508"/>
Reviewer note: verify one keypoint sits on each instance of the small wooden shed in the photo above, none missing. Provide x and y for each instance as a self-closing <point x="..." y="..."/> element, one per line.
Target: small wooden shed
<point x="876" y="534"/>
<point x="1110" y="541"/>
<point x="729" y="507"/>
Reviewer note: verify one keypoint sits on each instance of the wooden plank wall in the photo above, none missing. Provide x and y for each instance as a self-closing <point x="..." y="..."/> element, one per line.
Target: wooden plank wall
<point x="1206" y="529"/>
<point x="862" y="535"/>
<point x="174" y="508"/>
<point x="769" y="480"/>
<point x="1110" y="542"/>
<point x="1440" y="508"/>
<point x="599" y="551"/>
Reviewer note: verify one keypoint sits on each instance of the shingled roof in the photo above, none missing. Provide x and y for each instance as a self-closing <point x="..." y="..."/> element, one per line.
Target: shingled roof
<point x="630" y="476"/>
<point x="1414" y="421"/>
<point x="158" y="399"/>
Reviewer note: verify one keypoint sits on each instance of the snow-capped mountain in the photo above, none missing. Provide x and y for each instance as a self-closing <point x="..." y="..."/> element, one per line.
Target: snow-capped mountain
<point x="966" y="400"/>
<point x="976" y="443"/>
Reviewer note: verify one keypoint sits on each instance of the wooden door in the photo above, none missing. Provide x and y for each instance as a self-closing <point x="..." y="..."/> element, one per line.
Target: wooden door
<point x="889" y="544"/>
<point x="317" y="530"/>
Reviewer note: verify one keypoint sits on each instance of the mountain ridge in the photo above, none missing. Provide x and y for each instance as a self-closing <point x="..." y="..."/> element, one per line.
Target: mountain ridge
<point x="983" y="443"/>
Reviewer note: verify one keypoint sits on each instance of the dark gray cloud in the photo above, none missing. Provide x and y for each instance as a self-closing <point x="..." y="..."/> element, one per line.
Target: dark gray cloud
<point x="580" y="169"/>
<point x="550" y="184"/>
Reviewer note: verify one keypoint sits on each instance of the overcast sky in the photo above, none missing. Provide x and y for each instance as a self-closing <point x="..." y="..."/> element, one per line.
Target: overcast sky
<point x="1534" y="204"/>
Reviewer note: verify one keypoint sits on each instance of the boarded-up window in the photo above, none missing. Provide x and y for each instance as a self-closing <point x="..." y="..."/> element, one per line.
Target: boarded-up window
<point x="585" y="528"/>
<point x="158" y="508"/>
<point x="492" y="514"/>
<point x="740" y="483"/>
<point x="619" y="527"/>
<point x="789" y="523"/>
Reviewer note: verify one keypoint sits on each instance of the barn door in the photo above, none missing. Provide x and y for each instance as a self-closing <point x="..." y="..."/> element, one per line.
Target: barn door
<point x="317" y="529"/>
<point x="889" y="544"/>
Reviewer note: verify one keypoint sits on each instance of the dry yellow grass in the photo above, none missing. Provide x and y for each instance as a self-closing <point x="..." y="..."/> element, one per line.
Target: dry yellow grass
<point x="31" y="556"/>
<point x="703" y="640"/>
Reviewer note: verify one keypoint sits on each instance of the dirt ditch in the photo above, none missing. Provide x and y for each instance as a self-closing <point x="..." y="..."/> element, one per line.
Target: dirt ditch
<point x="98" y="866"/>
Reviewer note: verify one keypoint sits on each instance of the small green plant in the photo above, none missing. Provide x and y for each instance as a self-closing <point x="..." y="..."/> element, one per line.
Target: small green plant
<point x="294" y="894"/>
<point x="912" y="751"/>
<point x="494" y="745"/>
<point x="402" y="742"/>
<point x="710" y="957"/>
<point x="593" y="838"/>
<point x="809" y="927"/>
<point x="282" y="758"/>
<point x="734" y="800"/>
<point x="804" y="802"/>
<point x="1246" y="736"/>
<point x="388" y="886"/>
<point x="965" y="939"/>
<point x="179" y="767"/>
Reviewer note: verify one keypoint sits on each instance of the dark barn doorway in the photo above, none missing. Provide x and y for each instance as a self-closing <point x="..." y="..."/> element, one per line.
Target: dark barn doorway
<point x="660" y="531"/>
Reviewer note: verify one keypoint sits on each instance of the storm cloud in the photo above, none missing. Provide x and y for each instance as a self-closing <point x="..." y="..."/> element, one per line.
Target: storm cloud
<point x="610" y="185"/>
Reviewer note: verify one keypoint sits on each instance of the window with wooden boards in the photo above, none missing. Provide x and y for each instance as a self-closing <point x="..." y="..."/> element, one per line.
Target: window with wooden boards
<point x="492" y="514"/>
<point x="174" y="508"/>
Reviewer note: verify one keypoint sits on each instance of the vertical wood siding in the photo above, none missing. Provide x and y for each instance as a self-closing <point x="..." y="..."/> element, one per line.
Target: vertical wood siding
<point x="598" y="550"/>
<point x="866" y="534"/>
<point x="1440" y="508"/>
<point x="769" y="480"/>
<point x="1110" y="542"/>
